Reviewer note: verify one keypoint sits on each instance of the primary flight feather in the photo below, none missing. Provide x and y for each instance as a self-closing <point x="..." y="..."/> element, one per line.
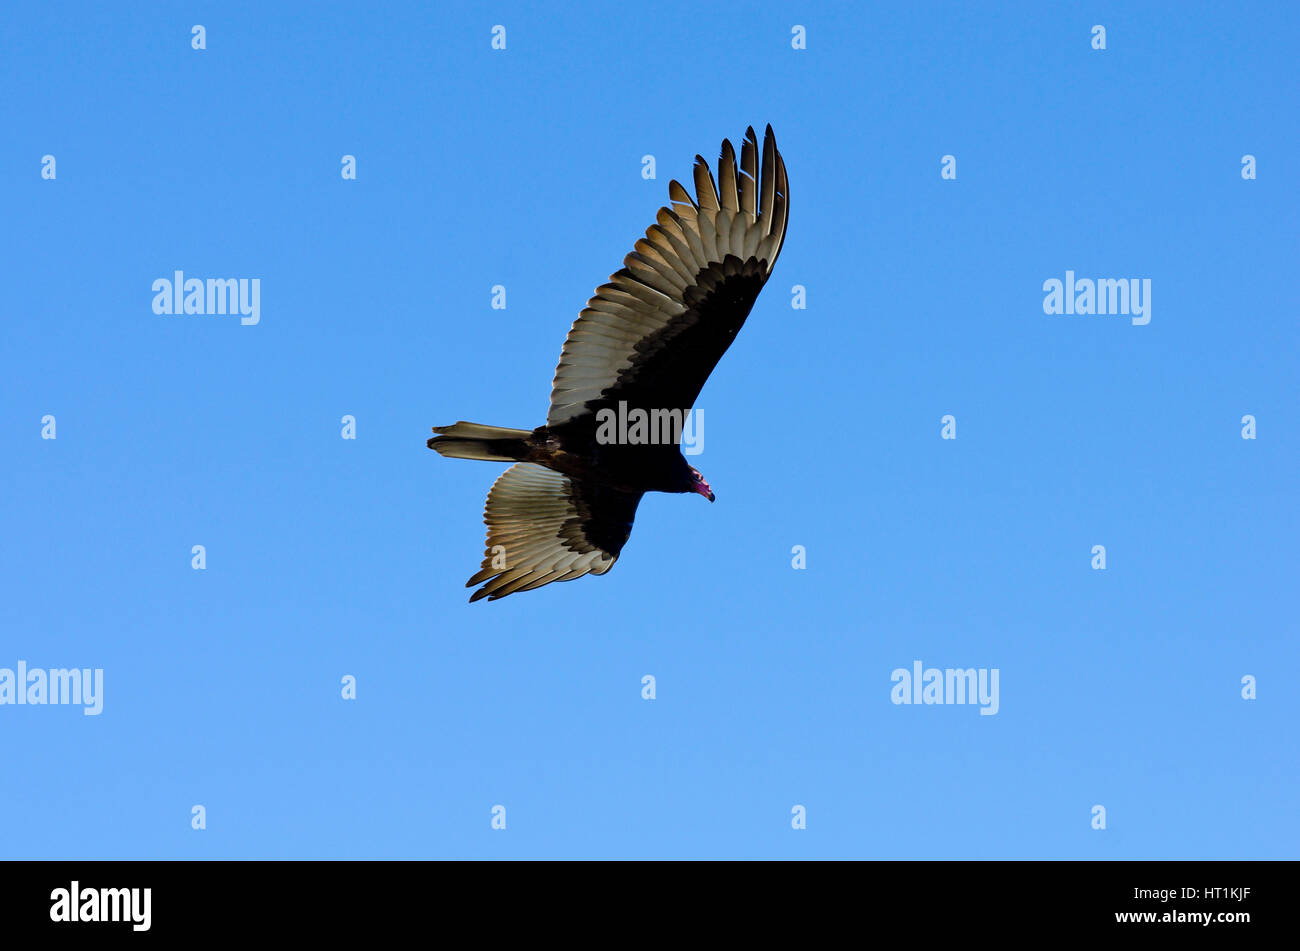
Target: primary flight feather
<point x="642" y="349"/>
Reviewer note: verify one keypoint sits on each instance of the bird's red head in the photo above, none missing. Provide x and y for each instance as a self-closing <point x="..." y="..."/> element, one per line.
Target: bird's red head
<point x="699" y="485"/>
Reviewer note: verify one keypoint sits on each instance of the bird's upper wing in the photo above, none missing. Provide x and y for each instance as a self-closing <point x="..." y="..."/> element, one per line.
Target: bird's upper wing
<point x="653" y="334"/>
<point x="544" y="526"/>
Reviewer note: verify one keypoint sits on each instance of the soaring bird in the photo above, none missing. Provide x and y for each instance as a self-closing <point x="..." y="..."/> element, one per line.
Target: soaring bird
<point x="639" y="351"/>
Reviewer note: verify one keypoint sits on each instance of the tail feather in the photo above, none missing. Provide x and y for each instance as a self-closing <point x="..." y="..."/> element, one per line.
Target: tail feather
<point x="464" y="440"/>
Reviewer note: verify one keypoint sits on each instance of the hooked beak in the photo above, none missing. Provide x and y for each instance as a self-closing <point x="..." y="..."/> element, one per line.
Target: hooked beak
<point x="703" y="489"/>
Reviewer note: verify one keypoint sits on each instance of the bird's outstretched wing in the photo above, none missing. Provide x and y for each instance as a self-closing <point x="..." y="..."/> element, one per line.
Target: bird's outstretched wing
<point x="653" y="334"/>
<point x="544" y="526"/>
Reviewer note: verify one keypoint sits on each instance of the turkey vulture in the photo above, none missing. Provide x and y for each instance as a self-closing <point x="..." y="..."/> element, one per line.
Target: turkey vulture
<point x="643" y="345"/>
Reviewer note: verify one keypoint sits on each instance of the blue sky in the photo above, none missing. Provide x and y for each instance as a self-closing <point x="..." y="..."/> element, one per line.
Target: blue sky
<point x="329" y="557"/>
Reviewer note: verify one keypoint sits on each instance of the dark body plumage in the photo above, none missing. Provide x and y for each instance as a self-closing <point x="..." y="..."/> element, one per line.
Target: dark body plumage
<point x="646" y="342"/>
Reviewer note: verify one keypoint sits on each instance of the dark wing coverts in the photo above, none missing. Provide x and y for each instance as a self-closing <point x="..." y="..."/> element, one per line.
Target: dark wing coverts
<point x="653" y="334"/>
<point x="544" y="526"/>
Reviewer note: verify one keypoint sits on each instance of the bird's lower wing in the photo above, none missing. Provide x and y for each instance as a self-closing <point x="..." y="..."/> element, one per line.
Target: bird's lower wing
<point x="544" y="526"/>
